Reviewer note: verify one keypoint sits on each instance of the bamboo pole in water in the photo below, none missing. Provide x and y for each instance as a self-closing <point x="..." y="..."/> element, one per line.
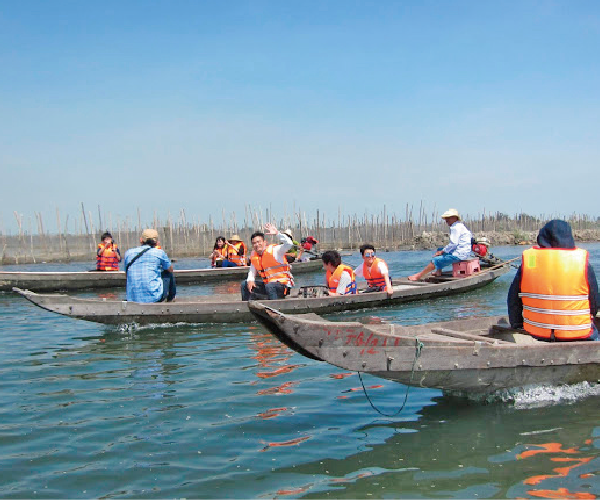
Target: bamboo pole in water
<point x="60" y="242"/>
<point x="66" y="240"/>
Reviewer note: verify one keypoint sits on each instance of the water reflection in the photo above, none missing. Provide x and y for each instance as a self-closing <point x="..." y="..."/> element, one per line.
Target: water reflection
<point x="460" y="450"/>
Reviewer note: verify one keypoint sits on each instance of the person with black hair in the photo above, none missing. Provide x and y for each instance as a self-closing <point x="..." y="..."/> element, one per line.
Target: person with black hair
<point x="554" y="295"/>
<point x="269" y="262"/>
<point x="374" y="270"/>
<point x="340" y="278"/>
<point x="219" y="253"/>
<point x="108" y="254"/>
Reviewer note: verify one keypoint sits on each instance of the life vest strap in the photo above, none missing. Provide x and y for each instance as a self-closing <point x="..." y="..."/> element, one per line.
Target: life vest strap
<point x="558" y="327"/>
<point x="558" y="312"/>
<point x="552" y="297"/>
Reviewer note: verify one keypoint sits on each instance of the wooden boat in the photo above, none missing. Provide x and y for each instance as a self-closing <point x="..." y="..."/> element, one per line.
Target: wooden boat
<point x="231" y="309"/>
<point x="53" y="281"/>
<point x="479" y="355"/>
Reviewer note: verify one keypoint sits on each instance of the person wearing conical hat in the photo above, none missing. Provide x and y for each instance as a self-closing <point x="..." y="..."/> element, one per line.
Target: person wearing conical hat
<point x="458" y="249"/>
<point x="236" y="250"/>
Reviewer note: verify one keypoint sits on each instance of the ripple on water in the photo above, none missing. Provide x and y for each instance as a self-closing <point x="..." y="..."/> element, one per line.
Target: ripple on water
<point x="226" y="411"/>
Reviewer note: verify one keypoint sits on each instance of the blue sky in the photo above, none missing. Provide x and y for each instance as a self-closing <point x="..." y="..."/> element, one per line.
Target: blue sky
<point x="205" y="106"/>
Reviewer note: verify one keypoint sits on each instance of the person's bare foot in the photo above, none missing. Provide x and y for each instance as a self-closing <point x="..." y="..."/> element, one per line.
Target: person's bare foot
<point x="415" y="277"/>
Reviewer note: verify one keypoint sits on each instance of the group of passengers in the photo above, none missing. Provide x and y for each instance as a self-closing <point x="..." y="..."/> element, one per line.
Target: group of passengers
<point x="554" y="295"/>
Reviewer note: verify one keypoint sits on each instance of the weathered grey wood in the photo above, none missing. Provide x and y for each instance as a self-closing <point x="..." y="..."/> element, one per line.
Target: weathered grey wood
<point x="52" y="281"/>
<point x="230" y="308"/>
<point x="447" y="356"/>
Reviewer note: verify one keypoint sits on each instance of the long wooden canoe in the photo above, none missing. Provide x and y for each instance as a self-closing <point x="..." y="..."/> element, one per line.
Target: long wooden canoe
<point x="54" y="281"/>
<point x="479" y="355"/>
<point x="231" y="309"/>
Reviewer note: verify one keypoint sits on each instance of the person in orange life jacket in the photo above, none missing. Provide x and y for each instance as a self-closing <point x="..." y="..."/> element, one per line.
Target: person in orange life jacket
<point x="340" y="278"/>
<point x="108" y="254"/>
<point x="236" y="251"/>
<point x="269" y="262"/>
<point x="219" y="253"/>
<point x="555" y="277"/>
<point x="374" y="270"/>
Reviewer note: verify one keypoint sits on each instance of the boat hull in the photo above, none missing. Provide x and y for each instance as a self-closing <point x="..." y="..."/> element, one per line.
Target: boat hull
<point x="55" y="281"/>
<point x="479" y="355"/>
<point x="230" y="309"/>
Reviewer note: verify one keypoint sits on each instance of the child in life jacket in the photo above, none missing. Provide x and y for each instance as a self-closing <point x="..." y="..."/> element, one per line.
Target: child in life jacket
<point x="108" y="254"/>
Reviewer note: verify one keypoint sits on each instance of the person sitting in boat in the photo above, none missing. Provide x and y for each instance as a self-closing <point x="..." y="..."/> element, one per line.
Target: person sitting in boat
<point x="306" y="249"/>
<point x="554" y="295"/>
<point x="108" y="254"/>
<point x="374" y="270"/>
<point x="292" y="253"/>
<point x="340" y="278"/>
<point x="149" y="271"/>
<point x="269" y="262"/>
<point x="236" y="251"/>
<point x="219" y="253"/>
<point x="479" y="246"/>
<point x="481" y="249"/>
<point x="458" y="249"/>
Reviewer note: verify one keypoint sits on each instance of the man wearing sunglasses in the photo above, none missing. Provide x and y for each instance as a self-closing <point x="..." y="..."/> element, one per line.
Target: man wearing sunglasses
<point x="375" y="271"/>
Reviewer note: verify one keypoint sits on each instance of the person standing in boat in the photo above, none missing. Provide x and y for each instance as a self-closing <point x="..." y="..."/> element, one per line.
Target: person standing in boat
<point x="458" y="249"/>
<point x="108" y="254"/>
<point x="149" y="271"/>
<point x="374" y="270"/>
<point x="554" y="295"/>
<point x="340" y="278"/>
<point x="269" y="262"/>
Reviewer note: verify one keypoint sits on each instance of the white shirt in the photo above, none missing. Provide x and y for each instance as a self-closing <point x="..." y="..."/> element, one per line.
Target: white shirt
<point x="460" y="241"/>
<point x="382" y="266"/>
<point x="345" y="280"/>
<point x="278" y="252"/>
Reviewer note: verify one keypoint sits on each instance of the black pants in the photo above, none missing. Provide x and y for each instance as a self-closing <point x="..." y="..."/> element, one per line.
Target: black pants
<point x="169" y="286"/>
<point x="272" y="291"/>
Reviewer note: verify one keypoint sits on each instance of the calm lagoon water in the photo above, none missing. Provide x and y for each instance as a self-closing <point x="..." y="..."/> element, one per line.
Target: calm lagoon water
<point x="221" y="411"/>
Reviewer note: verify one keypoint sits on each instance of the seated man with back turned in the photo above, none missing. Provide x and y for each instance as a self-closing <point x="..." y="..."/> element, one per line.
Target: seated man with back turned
<point x="374" y="270"/>
<point x="554" y="295"/>
<point x="458" y="249"/>
<point x="149" y="271"/>
<point x="271" y="265"/>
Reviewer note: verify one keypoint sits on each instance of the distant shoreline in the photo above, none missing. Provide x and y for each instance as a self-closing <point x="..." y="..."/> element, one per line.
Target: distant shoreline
<point x="38" y="253"/>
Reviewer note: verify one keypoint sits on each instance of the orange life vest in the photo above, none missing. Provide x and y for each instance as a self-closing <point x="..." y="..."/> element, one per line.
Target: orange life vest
<point x="555" y="293"/>
<point x="270" y="269"/>
<point x="109" y="259"/>
<point x="333" y="279"/>
<point x="373" y="274"/>
<point x="221" y="254"/>
<point x="236" y="253"/>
